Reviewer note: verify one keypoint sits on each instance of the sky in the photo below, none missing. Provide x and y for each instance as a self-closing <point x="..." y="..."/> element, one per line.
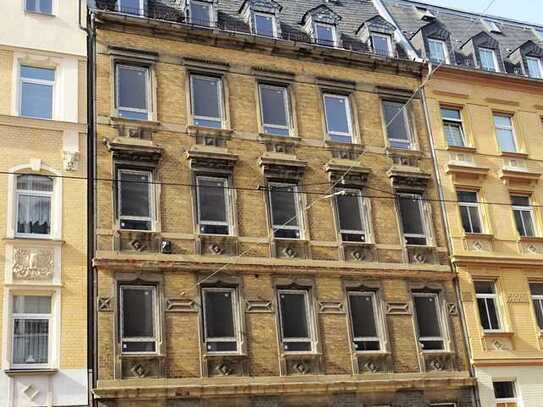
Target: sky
<point x="525" y="10"/>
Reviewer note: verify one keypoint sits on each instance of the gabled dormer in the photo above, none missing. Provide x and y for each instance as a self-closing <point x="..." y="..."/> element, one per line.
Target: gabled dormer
<point x="424" y="13"/>
<point x="200" y="12"/>
<point x="486" y="52"/>
<point x="321" y="24"/>
<point x="262" y="16"/>
<point x="530" y="57"/>
<point x="434" y="43"/>
<point x="378" y="34"/>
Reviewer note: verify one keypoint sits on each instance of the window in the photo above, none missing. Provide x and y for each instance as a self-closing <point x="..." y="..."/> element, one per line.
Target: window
<point x="352" y="212"/>
<point x="338" y="117"/>
<point x="469" y="211"/>
<point x="135" y="199"/>
<point x="438" y="52"/>
<point x="489" y="62"/>
<point x="264" y="24"/>
<point x="36" y="92"/>
<point x="485" y="291"/>
<point x="523" y="213"/>
<point x="138" y="316"/>
<point x="533" y="66"/>
<point x="221" y="328"/>
<point x="429" y="321"/>
<point x="213" y="205"/>
<point x="40" y="6"/>
<point x="131" y="6"/>
<point x="412" y="217"/>
<point x="537" y="299"/>
<point x="364" y="321"/>
<point x="505" y="133"/>
<point x="381" y="44"/>
<point x="34" y="195"/>
<point x="505" y="394"/>
<point x="297" y="332"/>
<point x="132" y="91"/>
<point x="397" y="124"/>
<point x="207" y="101"/>
<point x="200" y="13"/>
<point x="325" y="34"/>
<point x="31" y="324"/>
<point x="452" y="126"/>
<point x="285" y="210"/>
<point x="275" y="109"/>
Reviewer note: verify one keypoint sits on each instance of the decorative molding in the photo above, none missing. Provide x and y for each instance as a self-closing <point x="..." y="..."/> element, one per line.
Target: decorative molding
<point x="518" y="298"/>
<point x="105" y="304"/>
<point x="282" y="167"/>
<point x="398" y="308"/>
<point x="259" y="306"/>
<point x="181" y="305"/>
<point x="70" y="160"/>
<point x="452" y="309"/>
<point x="211" y="159"/>
<point x="408" y="180"/>
<point x="353" y="176"/>
<point x="331" y="307"/>
<point x="33" y="263"/>
<point x="132" y="149"/>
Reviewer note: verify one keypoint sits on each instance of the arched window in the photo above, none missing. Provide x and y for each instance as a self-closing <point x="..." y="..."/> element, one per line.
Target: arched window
<point x="34" y="195"/>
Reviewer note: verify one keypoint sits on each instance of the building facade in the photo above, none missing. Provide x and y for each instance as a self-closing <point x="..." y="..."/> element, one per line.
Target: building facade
<point x="43" y="205"/>
<point x="485" y="112"/>
<point x="268" y="227"/>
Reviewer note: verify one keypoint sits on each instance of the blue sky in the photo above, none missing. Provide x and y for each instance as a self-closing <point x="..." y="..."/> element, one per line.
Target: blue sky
<point x="524" y="10"/>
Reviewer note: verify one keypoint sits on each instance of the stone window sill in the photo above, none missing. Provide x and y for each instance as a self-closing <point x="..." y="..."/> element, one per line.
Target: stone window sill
<point x="30" y="371"/>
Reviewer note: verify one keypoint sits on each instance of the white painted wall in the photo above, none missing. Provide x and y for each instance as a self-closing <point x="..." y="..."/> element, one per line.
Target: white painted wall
<point x="529" y="384"/>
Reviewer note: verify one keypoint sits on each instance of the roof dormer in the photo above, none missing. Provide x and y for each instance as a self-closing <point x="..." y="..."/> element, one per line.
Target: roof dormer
<point x="486" y="52"/>
<point x="491" y="26"/>
<point x="200" y="12"/>
<point x="262" y="16"/>
<point x="425" y="14"/>
<point x="529" y="56"/>
<point x="378" y="34"/>
<point x="321" y="24"/>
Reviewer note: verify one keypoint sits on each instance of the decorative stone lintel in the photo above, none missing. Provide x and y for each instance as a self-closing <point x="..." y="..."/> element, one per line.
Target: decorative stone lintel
<point x="398" y="308"/>
<point x="331" y="307"/>
<point x="438" y="361"/>
<point x="211" y="159"/>
<point x="134" y="149"/>
<point x="224" y="365"/>
<point x="372" y="362"/>
<point x="300" y="364"/>
<point x="134" y="129"/>
<point x="209" y="136"/>
<point x="344" y="151"/>
<point x="259" y="306"/>
<point x="519" y="180"/>
<point x="408" y="180"/>
<point x="358" y="252"/>
<point x="354" y="176"/>
<point x="281" y="166"/>
<point x="181" y="305"/>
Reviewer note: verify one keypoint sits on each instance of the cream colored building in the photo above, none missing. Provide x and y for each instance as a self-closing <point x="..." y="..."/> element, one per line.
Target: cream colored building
<point x="43" y="204"/>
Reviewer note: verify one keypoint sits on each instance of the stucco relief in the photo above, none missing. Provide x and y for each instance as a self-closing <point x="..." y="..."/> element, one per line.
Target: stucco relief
<point x="33" y="264"/>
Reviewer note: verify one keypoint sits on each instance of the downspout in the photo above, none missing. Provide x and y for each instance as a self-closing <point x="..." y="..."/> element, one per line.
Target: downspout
<point x="445" y="221"/>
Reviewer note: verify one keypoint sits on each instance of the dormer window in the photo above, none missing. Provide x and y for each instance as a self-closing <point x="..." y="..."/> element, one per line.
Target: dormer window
<point x="491" y="26"/>
<point x="381" y="44"/>
<point x="488" y="59"/>
<point x="264" y="24"/>
<point x="262" y="16"/>
<point x="425" y="14"/>
<point x="437" y="51"/>
<point x="325" y="34"/>
<point x="200" y="13"/>
<point x="533" y="67"/>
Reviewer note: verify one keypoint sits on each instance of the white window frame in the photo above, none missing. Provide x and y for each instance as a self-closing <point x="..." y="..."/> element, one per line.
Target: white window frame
<point x="507" y="401"/>
<point x="459" y="122"/>
<point x="155" y="312"/>
<point x="209" y="9"/>
<point x="225" y="182"/>
<point x="419" y="199"/>
<point x="50" y="194"/>
<point x="444" y="48"/>
<point x="147" y="89"/>
<point x="388" y="39"/>
<point x="52" y="319"/>
<point x="348" y="112"/>
<point x="494" y="58"/>
<point x="471" y="205"/>
<point x="255" y="26"/>
<point x="540" y="67"/>
<point x="43" y="82"/>
<point x="539" y="299"/>
<point x="376" y="317"/>
<point x="286" y="101"/>
<point x="220" y="96"/>
<point x="39" y="11"/>
<point x="363" y="207"/>
<point x="410" y="142"/>
<point x="333" y="31"/>
<point x="235" y="318"/>
<point x="510" y="127"/>
<point x="529" y="209"/>
<point x="299" y="214"/>
<point x="494" y="298"/>
<point x="141" y="10"/>
<point x="440" y="321"/>
<point x="150" y="191"/>
<point x="310" y="322"/>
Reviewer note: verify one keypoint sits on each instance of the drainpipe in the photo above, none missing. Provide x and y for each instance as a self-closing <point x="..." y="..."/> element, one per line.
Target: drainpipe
<point x="445" y="221"/>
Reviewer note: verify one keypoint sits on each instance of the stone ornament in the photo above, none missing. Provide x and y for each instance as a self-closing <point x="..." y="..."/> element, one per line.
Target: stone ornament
<point x="259" y="306"/>
<point x="180" y="305"/>
<point x="33" y="264"/>
<point x="138" y="370"/>
<point x="71" y="160"/>
<point x="398" y="308"/>
<point x="105" y="304"/>
<point x="31" y="392"/>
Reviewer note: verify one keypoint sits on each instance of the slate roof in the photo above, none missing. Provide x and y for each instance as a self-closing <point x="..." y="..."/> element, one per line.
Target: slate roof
<point x="462" y="26"/>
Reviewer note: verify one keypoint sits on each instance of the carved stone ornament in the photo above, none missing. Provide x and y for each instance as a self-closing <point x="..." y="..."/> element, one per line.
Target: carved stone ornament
<point x="259" y="306"/>
<point x="281" y="168"/>
<point x="105" y="304"/>
<point x="225" y="366"/>
<point x="302" y="365"/>
<point x="209" y="159"/>
<point x="438" y="362"/>
<point x="408" y="180"/>
<point x="331" y="307"/>
<point x="398" y="308"/>
<point x="345" y="175"/>
<point x="71" y="160"/>
<point x="372" y="362"/>
<point x="134" y="149"/>
<point x="289" y="252"/>
<point x="180" y="305"/>
<point x="33" y="264"/>
<point x="452" y="309"/>
<point x="31" y="392"/>
<point x="138" y="370"/>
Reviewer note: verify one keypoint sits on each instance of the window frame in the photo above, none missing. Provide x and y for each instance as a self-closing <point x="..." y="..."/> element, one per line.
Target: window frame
<point x="51" y="318"/>
<point x="445" y="49"/>
<point x="209" y="10"/>
<point x="494" y="298"/>
<point x="494" y="59"/>
<point x="38" y="10"/>
<point x="151" y="196"/>
<point x="440" y="321"/>
<point x="298" y="207"/>
<point x="156" y="319"/>
<point x="364" y="207"/>
<point x="539" y="64"/>
<point x="317" y="41"/>
<point x="419" y="198"/>
<point x="411" y="141"/>
<point x="227" y="204"/>
<point x="141" y="9"/>
<point x="41" y="82"/>
<point x="349" y="114"/>
<point x="475" y="205"/>
<point x="51" y="194"/>
<point x="254" y="24"/>
<point x="506" y="402"/>
<point x="310" y="319"/>
<point x="148" y="98"/>
<point x="388" y="39"/>
<point x="524" y="209"/>
<point x="287" y="106"/>
<point x="459" y="122"/>
<point x="221" y="100"/>
<point x="539" y="299"/>
<point x="511" y="128"/>
<point x="236" y="318"/>
<point x="377" y="316"/>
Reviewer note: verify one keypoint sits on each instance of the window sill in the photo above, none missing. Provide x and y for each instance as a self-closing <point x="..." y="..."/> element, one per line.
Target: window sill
<point x="531" y="239"/>
<point x="415" y="152"/>
<point x="492" y="334"/>
<point x="135" y="122"/>
<point x="209" y="355"/>
<point x="298" y="355"/>
<point x="486" y="236"/>
<point x="194" y="130"/>
<point x="39" y="13"/>
<point x="462" y="149"/>
<point x="36" y="240"/>
<point x="274" y="137"/>
<point x="30" y="371"/>
<point x="512" y="154"/>
<point x="352" y="144"/>
<point x="141" y="355"/>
